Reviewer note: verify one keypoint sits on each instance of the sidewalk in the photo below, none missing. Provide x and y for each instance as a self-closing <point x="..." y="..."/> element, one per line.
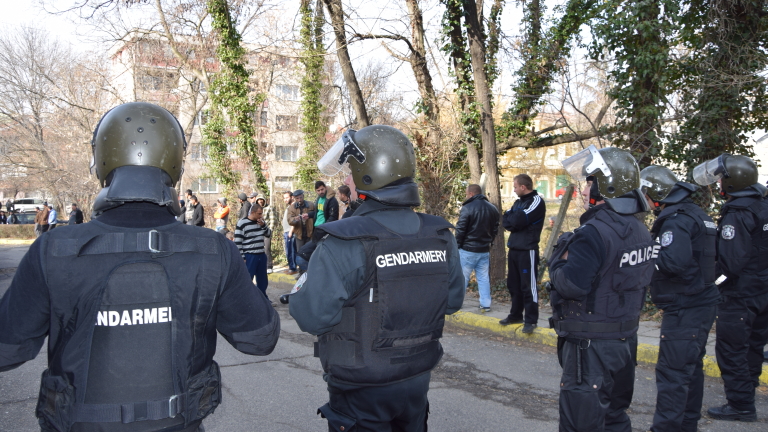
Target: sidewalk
<point x="647" y="335"/>
<point x="469" y="317"/>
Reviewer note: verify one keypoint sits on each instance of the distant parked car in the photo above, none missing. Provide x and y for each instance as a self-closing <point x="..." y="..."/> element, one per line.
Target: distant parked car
<point x="25" y="205"/>
<point x="561" y="192"/>
<point x="26" y="218"/>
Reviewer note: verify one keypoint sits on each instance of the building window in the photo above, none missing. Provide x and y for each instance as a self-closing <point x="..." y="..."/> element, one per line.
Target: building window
<point x="283" y="183"/>
<point x="263" y="118"/>
<point x="157" y="80"/>
<point x="286" y="153"/>
<point x="287" y="92"/>
<point x="197" y="151"/>
<point x="205" y="185"/>
<point x="202" y="117"/>
<point x="287" y="123"/>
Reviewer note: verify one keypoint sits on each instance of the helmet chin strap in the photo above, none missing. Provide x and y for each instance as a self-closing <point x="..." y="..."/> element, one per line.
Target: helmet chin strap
<point x="594" y="192"/>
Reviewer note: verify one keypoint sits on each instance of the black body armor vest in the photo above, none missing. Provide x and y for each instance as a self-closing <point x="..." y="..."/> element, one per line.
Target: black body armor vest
<point x="390" y="328"/>
<point x="753" y="277"/>
<point x="612" y="309"/>
<point x="132" y="327"/>
<point x="704" y="245"/>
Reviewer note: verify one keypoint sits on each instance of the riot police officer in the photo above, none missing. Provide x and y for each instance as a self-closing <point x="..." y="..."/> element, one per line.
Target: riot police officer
<point x="131" y="302"/>
<point x="599" y="288"/>
<point x="742" y="257"/>
<point x="683" y="286"/>
<point x="377" y="289"/>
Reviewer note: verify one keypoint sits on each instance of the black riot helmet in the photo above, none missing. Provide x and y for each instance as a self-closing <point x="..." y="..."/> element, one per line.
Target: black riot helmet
<point x="736" y="174"/>
<point x="138" y="156"/>
<point x="376" y="156"/>
<point x="657" y="182"/>
<point x="614" y="174"/>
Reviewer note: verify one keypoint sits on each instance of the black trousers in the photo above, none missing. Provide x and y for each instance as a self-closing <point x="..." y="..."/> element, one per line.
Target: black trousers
<point x="680" y="368"/>
<point x="600" y="401"/>
<point x="399" y="407"/>
<point x="742" y="332"/>
<point x="522" y="284"/>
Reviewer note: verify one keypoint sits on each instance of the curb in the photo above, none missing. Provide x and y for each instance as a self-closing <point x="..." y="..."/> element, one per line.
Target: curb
<point x="281" y="277"/>
<point x="646" y="353"/>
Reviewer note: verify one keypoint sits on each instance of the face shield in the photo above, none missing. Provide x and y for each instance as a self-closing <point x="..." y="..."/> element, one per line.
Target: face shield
<point x="335" y="160"/>
<point x="585" y="163"/>
<point x="710" y="171"/>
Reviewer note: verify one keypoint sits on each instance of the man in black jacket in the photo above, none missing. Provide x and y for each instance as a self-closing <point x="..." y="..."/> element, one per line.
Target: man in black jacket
<point x="742" y="257"/>
<point x="476" y="228"/>
<point x="131" y="302"/>
<point x="245" y="206"/>
<point x="524" y="221"/>
<point x="198" y="215"/>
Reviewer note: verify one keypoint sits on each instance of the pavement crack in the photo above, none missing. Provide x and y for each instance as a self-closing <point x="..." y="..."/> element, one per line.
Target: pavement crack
<point x="490" y="386"/>
<point x="17" y="401"/>
<point x="286" y="359"/>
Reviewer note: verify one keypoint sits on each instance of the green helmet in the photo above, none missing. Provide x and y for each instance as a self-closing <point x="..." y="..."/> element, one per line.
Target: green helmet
<point x="657" y="182"/>
<point x="138" y="134"/>
<point x="614" y="170"/>
<point x="377" y="155"/>
<point x="735" y="172"/>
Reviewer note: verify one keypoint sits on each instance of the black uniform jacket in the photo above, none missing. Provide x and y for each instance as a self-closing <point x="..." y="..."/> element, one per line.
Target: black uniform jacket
<point x="244" y="317"/>
<point x="478" y="224"/>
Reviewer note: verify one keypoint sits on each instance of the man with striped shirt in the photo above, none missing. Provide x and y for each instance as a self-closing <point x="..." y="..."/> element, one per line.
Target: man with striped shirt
<point x="524" y="221"/>
<point x="250" y="235"/>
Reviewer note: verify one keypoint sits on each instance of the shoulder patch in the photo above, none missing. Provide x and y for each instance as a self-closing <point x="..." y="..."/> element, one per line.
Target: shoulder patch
<point x="728" y="232"/>
<point x="765" y="227"/>
<point x="667" y="238"/>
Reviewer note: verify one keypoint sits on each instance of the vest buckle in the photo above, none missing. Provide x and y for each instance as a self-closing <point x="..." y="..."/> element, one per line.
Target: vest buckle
<point x="156" y="242"/>
<point x="171" y="411"/>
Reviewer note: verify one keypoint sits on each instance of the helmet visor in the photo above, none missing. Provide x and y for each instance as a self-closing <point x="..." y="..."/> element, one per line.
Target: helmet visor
<point x="335" y="159"/>
<point x="710" y="171"/>
<point x="586" y="163"/>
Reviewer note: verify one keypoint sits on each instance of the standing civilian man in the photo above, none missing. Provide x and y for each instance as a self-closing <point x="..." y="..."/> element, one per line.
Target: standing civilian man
<point x="300" y="217"/>
<point x="326" y="206"/>
<point x="195" y="215"/>
<point x="250" y="234"/>
<point x="476" y="228"/>
<point x="524" y="221"/>
<point x="75" y="215"/>
<point x="742" y="252"/>
<point x="269" y="217"/>
<point x="245" y="206"/>
<point x="221" y="216"/>
<point x="52" y="215"/>
<point x="288" y="239"/>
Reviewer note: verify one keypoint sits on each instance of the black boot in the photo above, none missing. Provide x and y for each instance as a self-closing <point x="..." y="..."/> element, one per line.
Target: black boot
<point x="726" y="412"/>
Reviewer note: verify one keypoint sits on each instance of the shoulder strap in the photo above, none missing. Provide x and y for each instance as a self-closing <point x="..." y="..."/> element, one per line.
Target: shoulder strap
<point x="146" y="241"/>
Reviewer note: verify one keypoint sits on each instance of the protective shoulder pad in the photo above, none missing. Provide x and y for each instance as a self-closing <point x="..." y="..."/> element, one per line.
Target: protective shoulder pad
<point x="352" y="228"/>
<point x="431" y="222"/>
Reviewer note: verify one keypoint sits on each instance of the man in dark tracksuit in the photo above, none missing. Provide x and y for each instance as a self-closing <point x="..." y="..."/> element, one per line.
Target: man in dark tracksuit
<point x="599" y="276"/>
<point x="376" y="291"/>
<point x="742" y="257"/>
<point x="132" y="301"/>
<point x="683" y="286"/>
<point x="524" y="221"/>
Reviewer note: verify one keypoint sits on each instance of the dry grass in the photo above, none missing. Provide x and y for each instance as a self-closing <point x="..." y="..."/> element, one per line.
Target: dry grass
<point x="19" y="232"/>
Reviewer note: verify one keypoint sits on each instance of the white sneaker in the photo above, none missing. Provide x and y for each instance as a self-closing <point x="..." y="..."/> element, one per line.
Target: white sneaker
<point x="269" y="271"/>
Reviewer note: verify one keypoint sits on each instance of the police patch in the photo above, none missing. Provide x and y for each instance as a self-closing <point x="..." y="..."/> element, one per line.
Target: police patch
<point x="728" y="232"/>
<point x="666" y="238"/>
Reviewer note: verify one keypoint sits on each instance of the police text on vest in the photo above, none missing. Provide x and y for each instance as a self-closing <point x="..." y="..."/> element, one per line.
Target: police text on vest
<point x="134" y="317"/>
<point x="640" y="255"/>
<point x="404" y="258"/>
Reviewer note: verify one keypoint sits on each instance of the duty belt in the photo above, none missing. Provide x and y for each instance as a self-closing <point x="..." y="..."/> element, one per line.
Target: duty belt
<point x="595" y="327"/>
<point x="130" y="412"/>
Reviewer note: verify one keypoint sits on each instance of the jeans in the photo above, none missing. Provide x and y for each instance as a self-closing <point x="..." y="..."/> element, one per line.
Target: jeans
<point x="480" y="263"/>
<point x="301" y="263"/>
<point x="257" y="266"/>
<point x="290" y="251"/>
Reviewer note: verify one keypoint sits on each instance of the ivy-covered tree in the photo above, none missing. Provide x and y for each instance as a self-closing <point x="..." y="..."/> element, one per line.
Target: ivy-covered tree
<point x="230" y="125"/>
<point x="313" y="59"/>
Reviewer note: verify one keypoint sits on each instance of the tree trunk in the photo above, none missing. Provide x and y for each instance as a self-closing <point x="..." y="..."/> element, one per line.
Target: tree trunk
<point x="487" y="133"/>
<point x="355" y="94"/>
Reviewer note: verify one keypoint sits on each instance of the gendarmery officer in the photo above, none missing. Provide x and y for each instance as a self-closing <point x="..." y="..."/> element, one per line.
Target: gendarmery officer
<point x="131" y="301"/>
<point x="599" y="288"/>
<point x="742" y="257"/>
<point x="683" y="286"/>
<point x="377" y="289"/>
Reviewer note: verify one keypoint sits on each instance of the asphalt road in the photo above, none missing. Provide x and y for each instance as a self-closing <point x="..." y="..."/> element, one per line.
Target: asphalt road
<point x="484" y="382"/>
